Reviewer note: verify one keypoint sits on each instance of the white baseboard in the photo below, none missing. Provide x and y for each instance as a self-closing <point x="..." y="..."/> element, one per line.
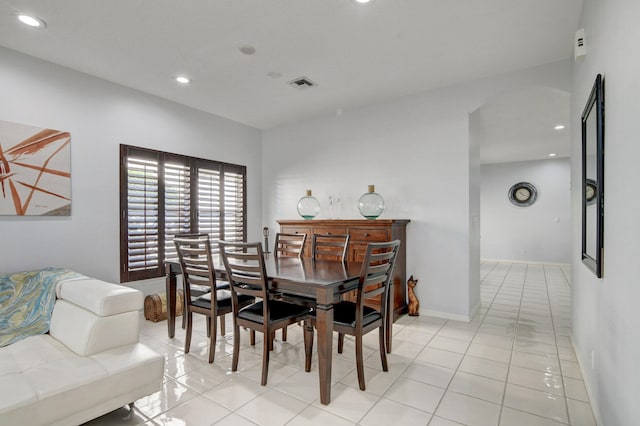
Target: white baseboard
<point x="535" y="262"/>
<point x="581" y="365"/>
<point x="444" y="315"/>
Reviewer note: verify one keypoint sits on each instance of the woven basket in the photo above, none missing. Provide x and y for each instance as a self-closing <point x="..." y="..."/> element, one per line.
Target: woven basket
<point x="155" y="306"/>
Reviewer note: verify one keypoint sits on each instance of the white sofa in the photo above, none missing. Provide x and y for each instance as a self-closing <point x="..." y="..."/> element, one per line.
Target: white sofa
<point x="90" y="362"/>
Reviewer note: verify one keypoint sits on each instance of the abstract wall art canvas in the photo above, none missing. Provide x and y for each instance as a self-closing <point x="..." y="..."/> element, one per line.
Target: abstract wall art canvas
<point x="35" y="171"/>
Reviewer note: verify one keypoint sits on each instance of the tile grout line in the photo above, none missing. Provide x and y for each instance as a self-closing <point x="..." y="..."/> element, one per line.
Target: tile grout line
<point x="515" y="334"/>
<point x="471" y="341"/>
<point x="555" y="339"/>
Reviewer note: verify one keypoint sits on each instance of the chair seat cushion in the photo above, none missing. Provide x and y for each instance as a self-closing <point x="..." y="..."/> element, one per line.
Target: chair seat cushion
<point x="345" y="313"/>
<point x="223" y="298"/>
<point x="278" y="310"/>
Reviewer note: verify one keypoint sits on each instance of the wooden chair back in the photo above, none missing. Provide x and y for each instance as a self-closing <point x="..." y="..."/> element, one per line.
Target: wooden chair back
<point x="246" y="272"/>
<point x="376" y="276"/>
<point x="330" y="246"/>
<point x="289" y="245"/>
<point x="194" y="255"/>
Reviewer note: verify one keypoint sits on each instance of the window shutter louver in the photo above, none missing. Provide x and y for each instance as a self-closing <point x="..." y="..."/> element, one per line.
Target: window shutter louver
<point x="209" y="204"/>
<point x="142" y="214"/>
<point x="177" y="205"/>
<point x="234" y="214"/>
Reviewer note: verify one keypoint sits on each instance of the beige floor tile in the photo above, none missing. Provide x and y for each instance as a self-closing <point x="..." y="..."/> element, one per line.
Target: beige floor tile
<point x="387" y="412"/>
<point x="478" y="387"/>
<point x="429" y="373"/>
<point x="535" y="379"/>
<point x="198" y="411"/>
<point x="468" y="410"/>
<point x="317" y="416"/>
<point x="272" y="408"/>
<point x="349" y="403"/>
<point x="440" y="357"/>
<point x="580" y="413"/>
<point x="535" y="402"/>
<point x="415" y="394"/>
<point x="484" y="367"/>
<point x="511" y="417"/>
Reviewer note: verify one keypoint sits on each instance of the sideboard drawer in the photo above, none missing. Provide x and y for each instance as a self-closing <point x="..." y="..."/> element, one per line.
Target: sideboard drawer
<point x="296" y="230"/>
<point x="330" y="230"/>
<point x="369" y="234"/>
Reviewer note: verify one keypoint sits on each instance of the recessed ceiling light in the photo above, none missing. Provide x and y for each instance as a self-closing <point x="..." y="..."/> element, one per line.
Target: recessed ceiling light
<point x="559" y="127"/>
<point x="32" y="21"/>
<point x="183" y="80"/>
<point x="362" y="1"/>
<point x="553" y="154"/>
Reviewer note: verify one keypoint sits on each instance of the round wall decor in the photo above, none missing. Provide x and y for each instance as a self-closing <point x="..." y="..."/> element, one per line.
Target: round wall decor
<point x="590" y="191"/>
<point x="523" y="194"/>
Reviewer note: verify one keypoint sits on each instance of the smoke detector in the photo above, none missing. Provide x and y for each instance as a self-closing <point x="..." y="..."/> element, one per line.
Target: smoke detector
<point x="302" y="83"/>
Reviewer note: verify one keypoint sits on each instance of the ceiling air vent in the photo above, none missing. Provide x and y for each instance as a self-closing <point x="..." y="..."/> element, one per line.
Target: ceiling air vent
<point x="302" y="83"/>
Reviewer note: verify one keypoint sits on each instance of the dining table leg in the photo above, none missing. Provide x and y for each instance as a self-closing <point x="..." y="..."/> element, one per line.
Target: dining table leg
<point x="324" y="327"/>
<point x="170" y="284"/>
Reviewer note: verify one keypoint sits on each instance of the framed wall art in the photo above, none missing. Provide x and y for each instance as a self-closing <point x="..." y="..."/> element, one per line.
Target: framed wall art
<point x="35" y="171"/>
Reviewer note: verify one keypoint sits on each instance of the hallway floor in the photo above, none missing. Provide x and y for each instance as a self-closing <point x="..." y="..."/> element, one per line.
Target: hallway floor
<point x="512" y="365"/>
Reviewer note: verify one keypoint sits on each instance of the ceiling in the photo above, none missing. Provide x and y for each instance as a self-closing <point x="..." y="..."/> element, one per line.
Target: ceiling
<point x="357" y="54"/>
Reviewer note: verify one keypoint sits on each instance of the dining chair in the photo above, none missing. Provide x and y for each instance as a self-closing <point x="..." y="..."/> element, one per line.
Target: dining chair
<point x="289" y="245"/>
<point x="330" y="246"/>
<point x="358" y="318"/>
<point x="244" y="263"/>
<point x="201" y="294"/>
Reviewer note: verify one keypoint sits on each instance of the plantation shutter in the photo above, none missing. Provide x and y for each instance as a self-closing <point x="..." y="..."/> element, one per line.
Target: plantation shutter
<point x="177" y="204"/>
<point x="141" y="215"/>
<point x="209" y="204"/>
<point x="234" y="214"/>
<point x="163" y="194"/>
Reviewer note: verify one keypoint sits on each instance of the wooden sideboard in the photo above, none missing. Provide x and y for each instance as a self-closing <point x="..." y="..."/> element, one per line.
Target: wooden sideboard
<point x="361" y="233"/>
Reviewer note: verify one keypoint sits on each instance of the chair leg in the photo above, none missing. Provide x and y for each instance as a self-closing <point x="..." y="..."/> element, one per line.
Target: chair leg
<point x="265" y="357"/>
<point x="187" y="338"/>
<point x="271" y="337"/>
<point x="222" y="325"/>
<point x="252" y="337"/>
<point x="208" y="329"/>
<point x="284" y="334"/>
<point x="360" y="360"/>
<point x="236" y="345"/>
<point x="308" y="346"/>
<point x="212" y="338"/>
<point x="383" y="349"/>
<point x="340" y="342"/>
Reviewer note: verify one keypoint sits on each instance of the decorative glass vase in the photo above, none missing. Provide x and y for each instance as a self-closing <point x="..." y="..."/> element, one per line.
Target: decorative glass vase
<point x="371" y="204"/>
<point x="308" y="206"/>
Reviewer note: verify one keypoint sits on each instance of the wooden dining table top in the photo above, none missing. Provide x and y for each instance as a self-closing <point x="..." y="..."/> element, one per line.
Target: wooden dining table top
<point x="313" y="273"/>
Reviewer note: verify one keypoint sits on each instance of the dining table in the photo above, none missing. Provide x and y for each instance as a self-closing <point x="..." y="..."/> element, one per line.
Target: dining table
<point x="323" y="280"/>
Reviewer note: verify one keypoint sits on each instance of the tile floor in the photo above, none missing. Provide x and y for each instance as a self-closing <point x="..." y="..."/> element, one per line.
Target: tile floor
<point x="512" y="365"/>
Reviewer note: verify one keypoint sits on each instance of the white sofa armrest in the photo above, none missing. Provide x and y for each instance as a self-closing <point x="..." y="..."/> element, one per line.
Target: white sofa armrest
<point x="91" y="316"/>
<point x="100" y="297"/>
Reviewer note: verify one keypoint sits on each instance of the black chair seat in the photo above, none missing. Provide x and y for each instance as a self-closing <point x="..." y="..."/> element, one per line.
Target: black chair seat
<point x="279" y="311"/>
<point x="224" y="300"/>
<point x="344" y="313"/>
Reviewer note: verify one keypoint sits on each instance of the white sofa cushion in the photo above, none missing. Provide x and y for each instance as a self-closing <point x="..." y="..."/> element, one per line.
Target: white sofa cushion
<point x="44" y="383"/>
<point x="100" y="297"/>
<point x="86" y="333"/>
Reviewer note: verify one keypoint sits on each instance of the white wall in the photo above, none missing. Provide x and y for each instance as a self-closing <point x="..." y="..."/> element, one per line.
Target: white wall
<point x="100" y="116"/>
<point x="605" y="311"/>
<point x="416" y="150"/>
<point x="540" y="232"/>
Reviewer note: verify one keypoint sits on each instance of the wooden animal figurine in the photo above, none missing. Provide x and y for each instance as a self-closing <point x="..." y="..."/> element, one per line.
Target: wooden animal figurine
<point x="414" y="303"/>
